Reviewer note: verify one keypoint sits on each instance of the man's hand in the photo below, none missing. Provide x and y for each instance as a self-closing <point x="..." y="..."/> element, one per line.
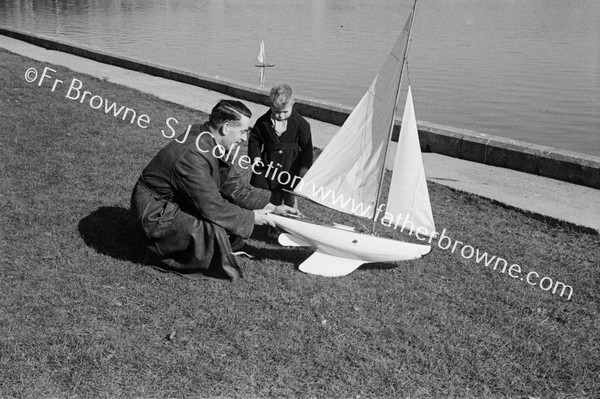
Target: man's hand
<point x="286" y="211"/>
<point x="261" y="217"/>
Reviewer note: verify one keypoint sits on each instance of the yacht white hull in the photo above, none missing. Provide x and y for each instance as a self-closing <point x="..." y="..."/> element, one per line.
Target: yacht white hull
<point x="339" y="251"/>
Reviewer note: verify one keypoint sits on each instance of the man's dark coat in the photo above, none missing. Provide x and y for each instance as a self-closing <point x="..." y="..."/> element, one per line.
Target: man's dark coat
<point x="188" y="202"/>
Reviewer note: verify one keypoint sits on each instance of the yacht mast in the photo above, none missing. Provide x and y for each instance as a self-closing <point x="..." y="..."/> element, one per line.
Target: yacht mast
<point x="391" y="130"/>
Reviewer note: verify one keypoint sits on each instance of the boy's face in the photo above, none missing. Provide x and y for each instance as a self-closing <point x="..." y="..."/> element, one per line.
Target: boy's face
<point x="283" y="112"/>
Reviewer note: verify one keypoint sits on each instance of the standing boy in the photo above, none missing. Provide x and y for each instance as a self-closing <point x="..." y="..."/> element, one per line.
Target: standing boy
<point x="281" y="138"/>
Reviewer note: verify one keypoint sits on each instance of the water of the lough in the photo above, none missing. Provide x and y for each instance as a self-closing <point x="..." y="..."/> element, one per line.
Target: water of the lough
<point x="523" y="69"/>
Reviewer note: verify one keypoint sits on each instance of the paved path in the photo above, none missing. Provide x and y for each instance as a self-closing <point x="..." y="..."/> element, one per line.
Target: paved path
<point x="543" y="196"/>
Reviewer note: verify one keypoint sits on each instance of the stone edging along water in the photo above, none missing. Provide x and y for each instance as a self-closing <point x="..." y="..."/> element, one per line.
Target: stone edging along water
<point x="458" y="143"/>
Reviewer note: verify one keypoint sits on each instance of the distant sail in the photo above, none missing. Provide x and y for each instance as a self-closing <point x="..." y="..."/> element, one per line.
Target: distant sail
<point x="262" y="59"/>
<point x="346" y="175"/>
<point x="408" y="198"/>
<point x="261" y="52"/>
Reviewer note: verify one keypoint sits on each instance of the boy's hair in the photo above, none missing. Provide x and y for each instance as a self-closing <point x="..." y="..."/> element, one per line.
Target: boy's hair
<point x="281" y="95"/>
<point x="227" y="111"/>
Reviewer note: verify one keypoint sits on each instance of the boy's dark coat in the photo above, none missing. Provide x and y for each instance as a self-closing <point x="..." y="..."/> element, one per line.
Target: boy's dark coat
<point x="289" y="152"/>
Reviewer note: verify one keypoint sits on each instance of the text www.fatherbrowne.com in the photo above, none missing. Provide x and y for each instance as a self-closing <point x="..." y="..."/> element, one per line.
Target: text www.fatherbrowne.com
<point x="502" y="265"/>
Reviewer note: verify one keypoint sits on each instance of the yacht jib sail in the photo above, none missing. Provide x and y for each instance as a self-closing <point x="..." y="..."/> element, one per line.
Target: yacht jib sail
<point x="408" y="197"/>
<point x="262" y="59"/>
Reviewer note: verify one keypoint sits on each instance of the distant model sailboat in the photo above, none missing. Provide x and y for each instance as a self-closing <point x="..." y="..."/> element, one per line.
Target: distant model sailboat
<point x="351" y="167"/>
<point x="262" y="60"/>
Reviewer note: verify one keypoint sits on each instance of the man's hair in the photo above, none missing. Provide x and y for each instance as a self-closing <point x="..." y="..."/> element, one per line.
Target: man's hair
<point x="228" y="110"/>
<point x="281" y="95"/>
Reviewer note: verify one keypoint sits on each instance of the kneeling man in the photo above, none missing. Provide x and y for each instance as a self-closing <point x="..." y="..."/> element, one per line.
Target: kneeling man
<point x="191" y="204"/>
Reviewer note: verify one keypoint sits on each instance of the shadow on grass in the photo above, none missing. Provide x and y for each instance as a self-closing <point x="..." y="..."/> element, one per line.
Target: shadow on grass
<point x="273" y="250"/>
<point x="283" y="254"/>
<point x="110" y="231"/>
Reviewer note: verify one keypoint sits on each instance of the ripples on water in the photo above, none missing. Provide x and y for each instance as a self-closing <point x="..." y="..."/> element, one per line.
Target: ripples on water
<point x="528" y="70"/>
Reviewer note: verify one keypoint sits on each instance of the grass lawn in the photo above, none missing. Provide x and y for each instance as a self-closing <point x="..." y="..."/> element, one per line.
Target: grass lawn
<point x="81" y="317"/>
